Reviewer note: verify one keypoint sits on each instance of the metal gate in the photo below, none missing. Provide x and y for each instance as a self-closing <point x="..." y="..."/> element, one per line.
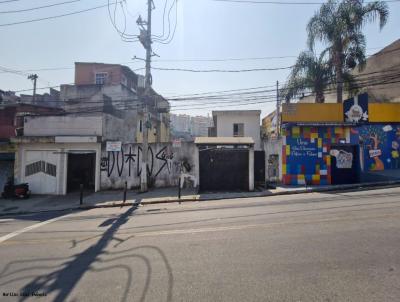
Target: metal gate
<point x="224" y="169"/>
<point x="259" y="167"/>
<point x="345" y="164"/>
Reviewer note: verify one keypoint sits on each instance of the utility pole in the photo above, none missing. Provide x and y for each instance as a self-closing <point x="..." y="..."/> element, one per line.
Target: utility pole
<point x="33" y="77"/>
<point x="278" y="108"/>
<point x="145" y="39"/>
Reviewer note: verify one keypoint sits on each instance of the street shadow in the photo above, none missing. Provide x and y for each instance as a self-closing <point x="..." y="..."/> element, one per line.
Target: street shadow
<point x="68" y="274"/>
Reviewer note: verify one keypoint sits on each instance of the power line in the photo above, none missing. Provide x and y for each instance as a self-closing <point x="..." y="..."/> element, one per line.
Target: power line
<point x="286" y="2"/>
<point x="221" y="70"/>
<point x="132" y="104"/>
<point x="38" y="7"/>
<point x="7" y="1"/>
<point x="199" y="60"/>
<point x="169" y="38"/>
<point x="53" y="17"/>
<point x="220" y="91"/>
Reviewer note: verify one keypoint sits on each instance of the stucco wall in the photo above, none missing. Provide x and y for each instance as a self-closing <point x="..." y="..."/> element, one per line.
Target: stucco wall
<point x="273" y="146"/>
<point x="251" y="123"/>
<point x="120" y="129"/>
<point x="63" y="125"/>
<point x="164" y="164"/>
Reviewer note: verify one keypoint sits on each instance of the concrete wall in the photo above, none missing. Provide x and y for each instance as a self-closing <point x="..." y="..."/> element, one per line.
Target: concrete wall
<point x="273" y="146"/>
<point x="120" y="129"/>
<point x="85" y="97"/>
<point x="251" y="121"/>
<point x="164" y="165"/>
<point x="63" y="125"/>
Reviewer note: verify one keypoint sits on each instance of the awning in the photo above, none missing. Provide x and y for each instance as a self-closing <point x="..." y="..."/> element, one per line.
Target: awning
<point x="224" y="141"/>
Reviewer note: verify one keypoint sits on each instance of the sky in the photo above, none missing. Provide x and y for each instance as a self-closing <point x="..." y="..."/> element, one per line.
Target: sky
<point x="206" y="30"/>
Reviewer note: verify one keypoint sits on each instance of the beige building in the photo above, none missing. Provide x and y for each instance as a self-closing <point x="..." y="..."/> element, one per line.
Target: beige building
<point x="379" y="78"/>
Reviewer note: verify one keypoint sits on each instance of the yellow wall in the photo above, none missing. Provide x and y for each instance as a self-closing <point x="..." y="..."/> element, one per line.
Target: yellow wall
<point x="303" y="112"/>
<point x="311" y="112"/>
<point x="164" y="137"/>
<point x="384" y="112"/>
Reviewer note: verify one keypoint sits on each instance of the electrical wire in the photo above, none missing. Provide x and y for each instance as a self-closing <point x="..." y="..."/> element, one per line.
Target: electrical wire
<point x="163" y="22"/>
<point x="38" y="7"/>
<point x="7" y="1"/>
<point x="53" y="17"/>
<point x="288" y="2"/>
<point x="220" y="70"/>
<point x="169" y="38"/>
<point x="204" y="60"/>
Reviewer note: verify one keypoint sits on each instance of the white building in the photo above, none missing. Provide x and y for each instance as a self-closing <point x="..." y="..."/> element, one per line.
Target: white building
<point x="194" y="125"/>
<point x="199" y="125"/>
<point x="180" y="122"/>
<point x="237" y="123"/>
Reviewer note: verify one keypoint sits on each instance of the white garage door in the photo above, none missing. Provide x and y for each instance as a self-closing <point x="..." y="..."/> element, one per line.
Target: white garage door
<point x="41" y="171"/>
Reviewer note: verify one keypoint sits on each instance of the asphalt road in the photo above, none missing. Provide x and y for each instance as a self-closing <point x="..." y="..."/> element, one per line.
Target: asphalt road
<point x="307" y="247"/>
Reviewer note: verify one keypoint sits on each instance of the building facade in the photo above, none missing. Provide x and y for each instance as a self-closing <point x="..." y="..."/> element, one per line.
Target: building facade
<point x="237" y="123"/>
<point x="12" y="123"/>
<point x="103" y="112"/>
<point x="355" y="141"/>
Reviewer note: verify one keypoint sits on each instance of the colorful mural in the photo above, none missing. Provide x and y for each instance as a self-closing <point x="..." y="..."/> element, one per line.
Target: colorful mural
<point x="306" y="154"/>
<point x="380" y="146"/>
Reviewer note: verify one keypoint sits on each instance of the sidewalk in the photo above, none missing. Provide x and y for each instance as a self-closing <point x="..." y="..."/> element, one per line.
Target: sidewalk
<point x="40" y="203"/>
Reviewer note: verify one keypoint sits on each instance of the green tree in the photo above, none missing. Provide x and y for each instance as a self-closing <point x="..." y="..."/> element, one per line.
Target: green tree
<point x="339" y="25"/>
<point x="309" y="74"/>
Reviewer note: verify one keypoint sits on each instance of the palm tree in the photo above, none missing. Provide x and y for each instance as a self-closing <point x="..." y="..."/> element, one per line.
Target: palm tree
<point x="339" y="25"/>
<point x="309" y="74"/>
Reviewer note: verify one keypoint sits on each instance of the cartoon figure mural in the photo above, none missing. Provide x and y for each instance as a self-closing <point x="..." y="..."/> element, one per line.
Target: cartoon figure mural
<point x="381" y="146"/>
<point x="375" y="152"/>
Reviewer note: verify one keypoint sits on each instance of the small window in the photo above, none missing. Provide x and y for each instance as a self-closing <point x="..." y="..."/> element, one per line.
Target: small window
<point x="140" y="126"/>
<point x="101" y="78"/>
<point x="238" y="130"/>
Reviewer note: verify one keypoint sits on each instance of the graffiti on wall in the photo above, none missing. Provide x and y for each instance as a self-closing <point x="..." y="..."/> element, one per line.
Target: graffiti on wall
<point x="130" y="157"/>
<point x="381" y="146"/>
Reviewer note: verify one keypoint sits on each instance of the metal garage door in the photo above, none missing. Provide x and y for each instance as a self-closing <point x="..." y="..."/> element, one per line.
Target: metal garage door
<point x="41" y="171"/>
<point x="224" y="169"/>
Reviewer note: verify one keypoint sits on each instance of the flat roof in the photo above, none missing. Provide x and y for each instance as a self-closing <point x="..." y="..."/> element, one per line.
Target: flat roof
<point x="224" y="141"/>
<point x="233" y="112"/>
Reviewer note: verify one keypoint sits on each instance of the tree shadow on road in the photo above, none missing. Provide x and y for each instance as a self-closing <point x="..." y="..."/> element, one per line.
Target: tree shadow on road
<point x="62" y="281"/>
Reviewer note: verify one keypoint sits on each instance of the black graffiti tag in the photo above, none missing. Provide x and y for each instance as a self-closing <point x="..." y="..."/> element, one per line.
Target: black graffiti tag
<point x="166" y="158"/>
<point x="149" y="168"/>
<point x="130" y="159"/>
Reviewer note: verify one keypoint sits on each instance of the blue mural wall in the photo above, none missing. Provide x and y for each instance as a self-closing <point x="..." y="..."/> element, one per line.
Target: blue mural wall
<point x="306" y="155"/>
<point x="380" y="143"/>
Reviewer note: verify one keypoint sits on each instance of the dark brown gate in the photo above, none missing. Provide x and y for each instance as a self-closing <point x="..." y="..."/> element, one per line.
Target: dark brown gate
<point x="345" y="164"/>
<point x="224" y="169"/>
<point x="259" y="167"/>
<point x="81" y="170"/>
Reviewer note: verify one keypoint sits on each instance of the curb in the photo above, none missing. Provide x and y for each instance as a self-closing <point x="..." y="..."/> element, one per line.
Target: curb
<point x="360" y="187"/>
